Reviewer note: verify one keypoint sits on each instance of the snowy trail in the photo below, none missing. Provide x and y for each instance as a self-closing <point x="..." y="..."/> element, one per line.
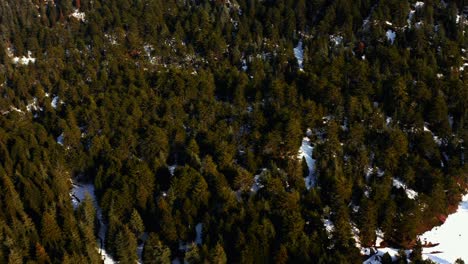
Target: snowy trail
<point x="78" y="194"/>
<point x="306" y="151"/>
<point x="452" y="237"/>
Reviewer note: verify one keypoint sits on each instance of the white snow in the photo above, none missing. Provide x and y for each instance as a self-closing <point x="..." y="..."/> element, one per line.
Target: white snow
<point x="78" y="194"/>
<point x="257" y="185"/>
<point x="199" y="231"/>
<point x="149" y="50"/>
<point x="377" y="252"/>
<point x="79" y="15"/>
<point x="390" y="35"/>
<point x="172" y="169"/>
<point x="60" y="139"/>
<point x="305" y="151"/>
<point x="388" y="120"/>
<point x="376" y="258"/>
<point x="337" y="40"/>
<point x="371" y="170"/>
<point x="329" y="227"/>
<point x="55" y="102"/>
<point x="411" y="194"/>
<point x="33" y="106"/>
<point x="140" y="247"/>
<point x="379" y="237"/>
<point x="437" y="140"/>
<point x="452" y="237"/>
<point x="299" y="54"/>
<point x="419" y="4"/>
<point x="410" y="17"/>
<point x="24" y="60"/>
<point x="244" y="65"/>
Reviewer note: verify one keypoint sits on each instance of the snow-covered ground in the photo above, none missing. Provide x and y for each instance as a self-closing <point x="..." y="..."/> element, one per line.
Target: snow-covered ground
<point x="78" y="194"/>
<point x="55" y="101"/>
<point x="336" y="39"/>
<point x="79" y="15"/>
<point x="299" y="54"/>
<point x="412" y="194"/>
<point x="452" y="237"/>
<point x="257" y="185"/>
<point x="140" y="247"/>
<point x="329" y="227"/>
<point x="23" y="60"/>
<point x="60" y="139"/>
<point x="437" y="140"/>
<point x="172" y="169"/>
<point x="391" y="35"/>
<point x="305" y="151"/>
<point x="377" y="257"/>
<point x="451" y="240"/>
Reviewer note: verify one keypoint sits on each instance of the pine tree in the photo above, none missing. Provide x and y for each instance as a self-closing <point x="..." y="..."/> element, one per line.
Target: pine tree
<point x="155" y="252"/>
<point x="218" y="255"/>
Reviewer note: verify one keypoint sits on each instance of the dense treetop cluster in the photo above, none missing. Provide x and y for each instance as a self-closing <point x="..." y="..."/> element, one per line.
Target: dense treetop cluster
<point x="174" y="109"/>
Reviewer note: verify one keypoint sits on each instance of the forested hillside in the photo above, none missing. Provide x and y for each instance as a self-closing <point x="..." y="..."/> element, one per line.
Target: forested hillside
<point x="229" y="131"/>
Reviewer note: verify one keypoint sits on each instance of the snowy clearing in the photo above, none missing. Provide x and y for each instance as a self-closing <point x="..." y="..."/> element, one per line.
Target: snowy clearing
<point x="452" y="237"/>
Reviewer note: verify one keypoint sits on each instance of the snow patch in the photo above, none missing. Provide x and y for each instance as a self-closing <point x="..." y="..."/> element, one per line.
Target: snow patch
<point x="140" y="247"/>
<point x="305" y="151"/>
<point x="419" y="4"/>
<point x="257" y="185"/>
<point x="33" y="106"/>
<point x="451" y="237"/>
<point x="411" y="194"/>
<point x="329" y="227"/>
<point x="55" y="102"/>
<point x="23" y="60"/>
<point x="244" y="65"/>
<point x="391" y="35"/>
<point x="172" y="169"/>
<point x="337" y="40"/>
<point x="60" y="139"/>
<point x="377" y="257"/>
<point x="78" y="194"/>
<point x="410" y="17"/>
<point x="299" y="54"/>
<point x="81" y="16"/>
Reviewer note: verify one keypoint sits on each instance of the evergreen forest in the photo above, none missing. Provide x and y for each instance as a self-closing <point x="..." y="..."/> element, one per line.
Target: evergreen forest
<point x="229" y="131"/>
